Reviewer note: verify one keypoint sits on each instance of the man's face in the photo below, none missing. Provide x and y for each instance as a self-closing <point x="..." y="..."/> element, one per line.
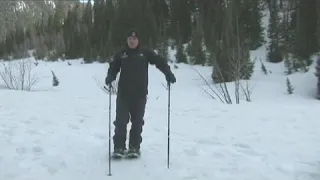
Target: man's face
<point x="133" y="41"/>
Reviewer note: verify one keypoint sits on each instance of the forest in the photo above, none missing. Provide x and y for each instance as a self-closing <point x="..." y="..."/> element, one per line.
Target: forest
<point x="219" y="33"/>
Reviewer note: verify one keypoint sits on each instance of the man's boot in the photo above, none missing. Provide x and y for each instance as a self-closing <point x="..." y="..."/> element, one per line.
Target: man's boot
<point x="118" y="153"/>
<point x="133" y="152"/>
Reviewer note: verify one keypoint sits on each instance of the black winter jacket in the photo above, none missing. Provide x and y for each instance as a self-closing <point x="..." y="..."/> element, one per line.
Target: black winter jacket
<point x="133" y="67"/>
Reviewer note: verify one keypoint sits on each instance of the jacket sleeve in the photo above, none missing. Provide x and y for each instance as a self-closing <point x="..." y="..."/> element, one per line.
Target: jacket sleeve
<point x="114" y="66"/>
<point x="158" y="61"/>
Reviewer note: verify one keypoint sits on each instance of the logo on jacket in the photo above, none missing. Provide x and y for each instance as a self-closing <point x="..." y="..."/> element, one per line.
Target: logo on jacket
<point x="124" y="55"/>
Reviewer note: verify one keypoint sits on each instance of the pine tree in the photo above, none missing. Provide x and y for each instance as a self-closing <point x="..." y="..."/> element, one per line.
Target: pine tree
<point x="55" y="80"/>
<point x="72" y="34"/>
<point x="290" y="88"/>
<point x="162" y="43"/>
<point x="288" y="65"/>
<point x="318" y="24"/>
<point x="109" y="14"/>
<point x="98" y="31"/>
<point x="274" y="53"/>
<point x="250" y="17"/>
<point x="7" y="18"/>
<point x="58" y="17"/>
<point x="181" y="56"/>
<point x="180" y="26"/>
<point x="87" y="33"/>
<point x="180" y="22"/>
<point x="195" y="49"/>
<point x="318" y="76"/>
<point x="287" y="32"/>
<point x="162" y="16"/>
<point x="305" y="43"/>
<point x="229" y="45"/>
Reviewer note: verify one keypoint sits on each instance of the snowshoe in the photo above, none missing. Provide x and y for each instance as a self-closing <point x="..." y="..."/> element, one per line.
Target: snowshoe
<point x="118" y="153"/>
<point x="133" y="153"/>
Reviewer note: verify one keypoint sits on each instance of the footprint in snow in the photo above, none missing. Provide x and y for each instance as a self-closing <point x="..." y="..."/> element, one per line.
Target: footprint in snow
<point x="191" y="152"/>
<point x="208" y="142"/>
<point x="241" y="145"/>
<point x="37" y="150"/>
<point x="246" y="149"/>
<point x="100" y="136"/>
<point x="32" y="132"/>
<point x="74" y="127"/>
<point x="21" y="150"/>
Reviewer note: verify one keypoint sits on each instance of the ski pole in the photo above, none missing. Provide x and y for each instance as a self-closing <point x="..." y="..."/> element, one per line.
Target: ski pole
<point x="110" y="87"/>
<point x="168" y="150"/>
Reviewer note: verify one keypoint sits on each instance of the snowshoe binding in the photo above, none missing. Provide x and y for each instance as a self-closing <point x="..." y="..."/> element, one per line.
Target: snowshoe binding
<point x="133" y="153"/>
<point x="118" y="154"/>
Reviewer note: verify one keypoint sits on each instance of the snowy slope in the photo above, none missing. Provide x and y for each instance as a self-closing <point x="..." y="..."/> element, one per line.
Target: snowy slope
<point x="62" y="133"/>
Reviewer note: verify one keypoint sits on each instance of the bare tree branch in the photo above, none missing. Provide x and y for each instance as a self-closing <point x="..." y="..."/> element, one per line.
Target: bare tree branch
<point x="207" y="83"/>
<point x="18" y="74"/>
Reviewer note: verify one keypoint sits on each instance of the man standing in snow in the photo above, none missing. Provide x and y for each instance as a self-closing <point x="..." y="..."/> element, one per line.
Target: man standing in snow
<point x="132" y="92"/>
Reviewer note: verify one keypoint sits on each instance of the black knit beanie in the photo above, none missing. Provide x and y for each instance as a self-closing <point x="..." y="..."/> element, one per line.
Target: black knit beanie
<point x="132" y="32"/>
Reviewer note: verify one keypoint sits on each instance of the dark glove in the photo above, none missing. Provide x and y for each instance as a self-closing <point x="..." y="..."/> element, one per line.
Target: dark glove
<point x="108" y="81"/>
<point x="171" y="78"/>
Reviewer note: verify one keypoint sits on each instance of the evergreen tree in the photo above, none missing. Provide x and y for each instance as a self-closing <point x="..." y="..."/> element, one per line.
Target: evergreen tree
<point x="98" y="35"/>
<point x="7" y="17"/>
<point x="109" y="16"/>
<point x="180" y="55"/>
<point x="162" y="43"/>
<point x="286" y="34"/>
<point x="58" y="18"/>
<point x="180" y="23"/>
<point x="305" y="43"/>
<point x="250" y="17"/>
<point x="290" y="88"/>
<point x="55" y="80"/>
<point x="72" y="34"/>
<point x="180" y="29"/>
<point x="274" y="53"/>
<point x="226" y="41"/>
<point x="318" y="27"/>
<point x="87" y="32"/>
<point x="195" y="49"/>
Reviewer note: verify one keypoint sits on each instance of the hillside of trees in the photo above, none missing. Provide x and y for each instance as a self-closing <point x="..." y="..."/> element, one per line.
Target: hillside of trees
<point x="220" y="33"/>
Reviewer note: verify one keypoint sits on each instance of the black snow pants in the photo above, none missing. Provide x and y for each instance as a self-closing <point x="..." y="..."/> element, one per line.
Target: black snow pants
<point x="133" y="109"/>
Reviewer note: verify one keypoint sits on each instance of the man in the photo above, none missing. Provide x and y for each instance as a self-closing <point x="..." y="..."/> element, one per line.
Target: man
<point x="133" y="61"/>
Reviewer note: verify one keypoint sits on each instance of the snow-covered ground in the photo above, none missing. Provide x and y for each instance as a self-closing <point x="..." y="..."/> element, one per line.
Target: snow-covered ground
<point x="61" y="133"/>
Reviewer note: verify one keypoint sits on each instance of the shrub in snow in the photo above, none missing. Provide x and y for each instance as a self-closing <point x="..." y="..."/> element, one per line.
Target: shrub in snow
<point x="263" y="68"/>
<point x="246" y="89"/>
<point x="55" y="80"/>
<point x="289" y="86"/>
<point x="18" y="74"/>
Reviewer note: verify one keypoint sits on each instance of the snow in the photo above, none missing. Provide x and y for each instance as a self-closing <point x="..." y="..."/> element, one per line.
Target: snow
<point x="61" y="133"/>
